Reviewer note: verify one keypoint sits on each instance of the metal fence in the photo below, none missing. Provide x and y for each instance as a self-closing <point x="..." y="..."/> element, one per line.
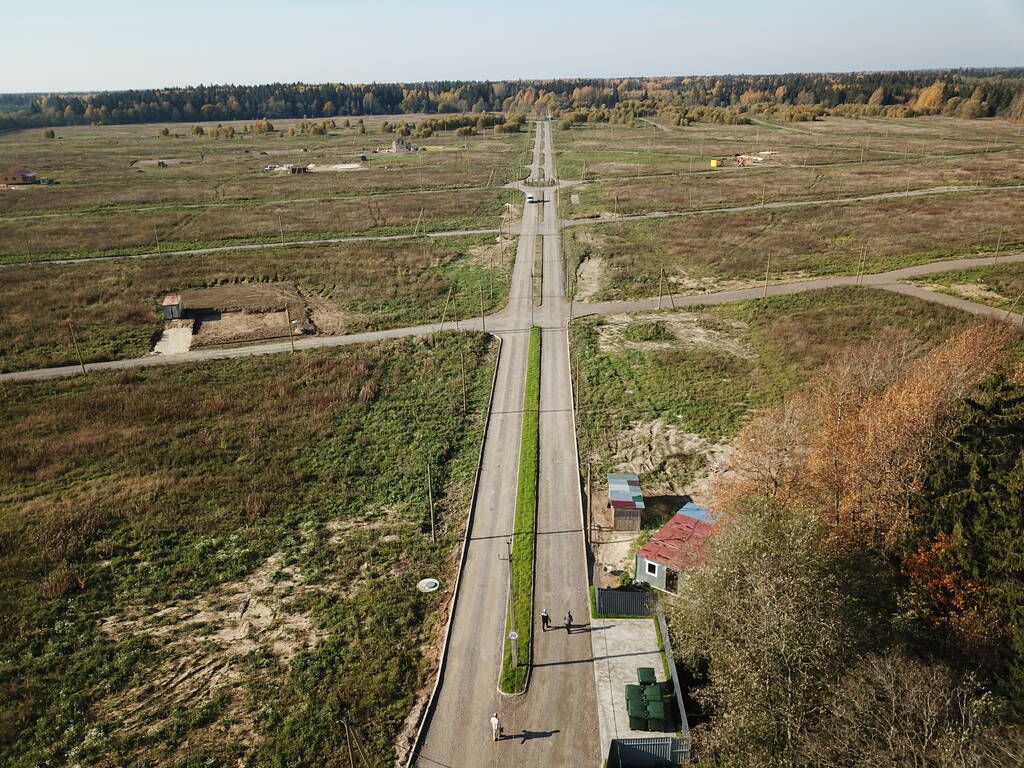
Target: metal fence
<point x="614" y="602"/>
<point x="653" y="752"/>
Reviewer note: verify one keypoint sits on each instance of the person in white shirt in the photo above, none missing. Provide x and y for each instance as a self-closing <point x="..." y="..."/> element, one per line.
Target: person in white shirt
<point x="496" y="727"/>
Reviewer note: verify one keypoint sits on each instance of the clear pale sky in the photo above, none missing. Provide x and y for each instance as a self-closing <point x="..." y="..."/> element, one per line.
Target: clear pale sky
<point x="58" y="45"/>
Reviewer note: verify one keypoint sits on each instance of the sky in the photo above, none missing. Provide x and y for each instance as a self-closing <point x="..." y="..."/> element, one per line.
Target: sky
<point x="89" y="45"/>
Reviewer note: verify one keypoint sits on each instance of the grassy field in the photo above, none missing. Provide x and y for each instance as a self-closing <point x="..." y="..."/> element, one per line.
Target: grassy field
<point x="723" y="250"/>
<point x="618" y="151"/>
<point x="515" y="670"/>
<point x="660" y="392"/>
<point x="112" y="196"/>
<point x="216" y="565"/>
<point x="1000" y="285"/>
<point x="360" y="286"/>
<point x="755" y="185"/>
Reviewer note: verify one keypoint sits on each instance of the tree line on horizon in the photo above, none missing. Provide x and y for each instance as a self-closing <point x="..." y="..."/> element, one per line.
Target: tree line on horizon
<point x="968" y="93"/>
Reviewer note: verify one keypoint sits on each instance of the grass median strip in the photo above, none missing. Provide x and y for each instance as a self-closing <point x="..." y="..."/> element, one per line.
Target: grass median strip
<point x="515" y="671"/>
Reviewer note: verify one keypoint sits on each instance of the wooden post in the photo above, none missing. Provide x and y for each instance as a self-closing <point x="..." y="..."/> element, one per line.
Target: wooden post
<point x="590" y="504"/>
<point x="999" y="242"/>
<point x="767" y="267"/>
<point x="465" y="400"/>
<point x="78" y="351"/>
<point x="288" y="320"/>
<point x="430" y="503"/>
<point x="444" y="312"/>
<point x="483" y="319"/>
<point x="661" y="276"/>
<point x="416" y="230"/>
<point x="455" y="310"/>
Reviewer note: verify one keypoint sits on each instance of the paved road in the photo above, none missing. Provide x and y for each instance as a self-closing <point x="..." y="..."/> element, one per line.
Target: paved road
<point x="788" y="204"/>
<point x="889" y="281"/>
<point x="555" y="722"/>
<point x="508" y="322"/>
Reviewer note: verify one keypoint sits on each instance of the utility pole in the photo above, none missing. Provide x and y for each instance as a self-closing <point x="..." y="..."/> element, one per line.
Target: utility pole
<point x="863" y="262"/>
<point x="418" y="219"/>
<point x="455" y="311"/>
<point x="430" y="503"/>
<point x="288" y="320"/>
<point x="513" y="634"/>
<point x="767" y="266"/>
<point x="999" y="242"/>
<point x="280" y="226"/>
<point x="661" y="278"/>
<point x="78" y="351"/>
<point x="156" y="236"/>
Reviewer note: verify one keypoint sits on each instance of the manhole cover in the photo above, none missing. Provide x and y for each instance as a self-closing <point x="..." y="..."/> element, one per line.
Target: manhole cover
<point x="428" y="585"/>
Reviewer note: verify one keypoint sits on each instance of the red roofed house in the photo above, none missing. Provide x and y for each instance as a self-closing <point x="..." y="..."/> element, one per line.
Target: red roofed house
<point x="677" y="547"/>
<point x="20" y="176"/>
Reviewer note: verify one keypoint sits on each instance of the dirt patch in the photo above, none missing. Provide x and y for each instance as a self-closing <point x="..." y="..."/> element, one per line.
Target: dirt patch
<point x="201" y="645"/>
<point x="244" y="312"/>
<point x="243" y="297"/>
<point x="485" y="255"/>
<point x="589" y="277"/>
<point x="327" y="317"/>
<point x="237" y="327"/>
<point x="665" y="456"/>
<point x="688" y="328"/>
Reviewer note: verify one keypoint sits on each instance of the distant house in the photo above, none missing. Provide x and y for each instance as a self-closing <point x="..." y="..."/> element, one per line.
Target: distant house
<point x="401" y="144"/>
<point x="626" y="501"/>
<point x="677" y="547"/>
<point x="20" y="176"/>
<point x="173" y="306"/>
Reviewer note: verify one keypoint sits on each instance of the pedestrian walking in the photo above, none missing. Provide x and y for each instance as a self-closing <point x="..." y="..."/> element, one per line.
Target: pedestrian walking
<point x="568" y="622"/>
<point x="545" y="620"/>
<point x="496" y="730"/>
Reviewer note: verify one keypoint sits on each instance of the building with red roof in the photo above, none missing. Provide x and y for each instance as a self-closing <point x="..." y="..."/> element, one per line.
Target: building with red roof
<point x="677" y="547"/>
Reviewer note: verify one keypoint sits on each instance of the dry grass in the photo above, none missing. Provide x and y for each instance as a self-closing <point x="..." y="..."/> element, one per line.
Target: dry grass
<point x="717" y="250"/>
<point x="114" y="304"/>
<point x="103" y="233"/>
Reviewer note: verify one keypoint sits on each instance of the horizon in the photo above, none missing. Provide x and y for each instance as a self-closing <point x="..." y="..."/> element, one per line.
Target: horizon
<point x="86" y="49"/>
<point x="227" y="84"/>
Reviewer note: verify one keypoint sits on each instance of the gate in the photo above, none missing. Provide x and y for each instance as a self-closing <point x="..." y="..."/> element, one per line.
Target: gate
<point x="654" y="752"/>
<point x="614" y="602"/>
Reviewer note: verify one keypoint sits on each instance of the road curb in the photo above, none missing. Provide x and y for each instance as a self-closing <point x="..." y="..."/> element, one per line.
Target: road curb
<point x="428" y="710"/>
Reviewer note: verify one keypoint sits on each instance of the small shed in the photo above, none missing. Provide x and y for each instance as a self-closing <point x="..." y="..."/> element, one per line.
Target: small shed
<point x="173" y="306"/>
<point x="626" y="501"/>
<point x="20" y="176"/>
<point x="677" y="547"/>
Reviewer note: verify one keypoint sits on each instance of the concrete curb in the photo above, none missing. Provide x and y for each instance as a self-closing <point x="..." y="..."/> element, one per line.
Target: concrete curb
<point x="428" y="710"/>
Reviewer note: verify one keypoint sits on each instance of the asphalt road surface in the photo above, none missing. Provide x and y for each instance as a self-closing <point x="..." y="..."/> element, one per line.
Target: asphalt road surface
<point x="508" y="322"/>
<point x="555" y="722"/>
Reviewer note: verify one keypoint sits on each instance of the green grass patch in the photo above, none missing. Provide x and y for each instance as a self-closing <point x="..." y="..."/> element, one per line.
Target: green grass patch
<point x="514" y="672"/>
<point x="143" y="512"/>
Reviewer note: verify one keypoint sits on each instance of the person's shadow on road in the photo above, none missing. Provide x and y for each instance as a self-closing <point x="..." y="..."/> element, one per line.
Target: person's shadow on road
<point x="530" y="735"/>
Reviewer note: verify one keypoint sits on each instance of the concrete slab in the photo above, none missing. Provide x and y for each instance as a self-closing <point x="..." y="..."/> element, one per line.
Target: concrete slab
<point x="620" y="646"/>
<point x="174" y="341"/>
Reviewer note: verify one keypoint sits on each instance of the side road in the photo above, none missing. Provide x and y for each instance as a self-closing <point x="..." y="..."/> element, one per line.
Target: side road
<point x="508" y="321"/>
